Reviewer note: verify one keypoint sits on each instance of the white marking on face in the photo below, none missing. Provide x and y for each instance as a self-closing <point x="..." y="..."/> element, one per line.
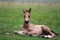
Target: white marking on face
<point x="26" y="16"/>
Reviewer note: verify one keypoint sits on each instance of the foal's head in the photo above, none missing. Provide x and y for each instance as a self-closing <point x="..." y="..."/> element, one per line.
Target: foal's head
<point x="26" y="15"/>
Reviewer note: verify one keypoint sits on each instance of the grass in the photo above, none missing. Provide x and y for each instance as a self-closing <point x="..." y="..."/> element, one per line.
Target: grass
<point x="11" y="17"/>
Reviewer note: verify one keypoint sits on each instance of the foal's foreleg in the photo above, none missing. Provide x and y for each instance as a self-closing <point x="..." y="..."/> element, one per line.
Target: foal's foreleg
<point x="33" y="33"/>
<point x="19" y="32"/>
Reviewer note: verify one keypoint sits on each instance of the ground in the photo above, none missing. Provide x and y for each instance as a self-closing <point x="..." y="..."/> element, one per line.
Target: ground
<point x="11" y="18"/>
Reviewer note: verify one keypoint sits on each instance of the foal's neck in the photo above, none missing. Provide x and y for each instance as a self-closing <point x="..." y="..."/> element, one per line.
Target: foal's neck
<point x="26" y="25"/>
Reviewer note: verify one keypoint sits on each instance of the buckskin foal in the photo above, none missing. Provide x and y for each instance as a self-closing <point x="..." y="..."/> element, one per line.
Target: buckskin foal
<point x="34" y="30"/>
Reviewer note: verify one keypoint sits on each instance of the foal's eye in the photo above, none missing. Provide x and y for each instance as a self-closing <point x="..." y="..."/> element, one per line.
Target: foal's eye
<point x="24" y="16"/>
<point x="29" y="16"/>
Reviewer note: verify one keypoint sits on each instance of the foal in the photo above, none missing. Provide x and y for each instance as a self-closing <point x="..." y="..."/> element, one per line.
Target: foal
<point x="34" y="30"/>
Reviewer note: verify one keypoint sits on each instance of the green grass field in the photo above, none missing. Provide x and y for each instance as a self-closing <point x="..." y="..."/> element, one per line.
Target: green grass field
<point x="11" y="17"/>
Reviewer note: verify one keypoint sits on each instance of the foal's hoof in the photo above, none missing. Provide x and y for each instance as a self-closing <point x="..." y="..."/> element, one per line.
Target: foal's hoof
<point x="15" y="32"/>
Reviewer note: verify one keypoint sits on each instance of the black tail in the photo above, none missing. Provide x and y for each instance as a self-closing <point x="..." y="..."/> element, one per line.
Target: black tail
<point x="54" y="32"/>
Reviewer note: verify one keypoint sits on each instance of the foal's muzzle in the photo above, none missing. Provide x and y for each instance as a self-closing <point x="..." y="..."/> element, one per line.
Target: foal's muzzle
<point x="26" y="21"/>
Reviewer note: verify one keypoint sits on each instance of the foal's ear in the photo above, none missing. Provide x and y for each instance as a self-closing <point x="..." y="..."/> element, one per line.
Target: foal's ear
<point x="29" y="10"/>
<point x="23" y="11"/>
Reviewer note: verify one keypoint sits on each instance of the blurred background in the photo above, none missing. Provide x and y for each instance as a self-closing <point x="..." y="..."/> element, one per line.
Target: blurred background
<point x="40" y="1"/>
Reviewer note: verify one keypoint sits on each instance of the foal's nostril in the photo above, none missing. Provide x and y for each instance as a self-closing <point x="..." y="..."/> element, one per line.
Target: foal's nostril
<point x="26" y="21"/>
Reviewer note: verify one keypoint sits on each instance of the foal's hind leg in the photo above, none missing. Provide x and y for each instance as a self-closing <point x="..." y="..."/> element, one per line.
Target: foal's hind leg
<point x="48" y="32"/>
